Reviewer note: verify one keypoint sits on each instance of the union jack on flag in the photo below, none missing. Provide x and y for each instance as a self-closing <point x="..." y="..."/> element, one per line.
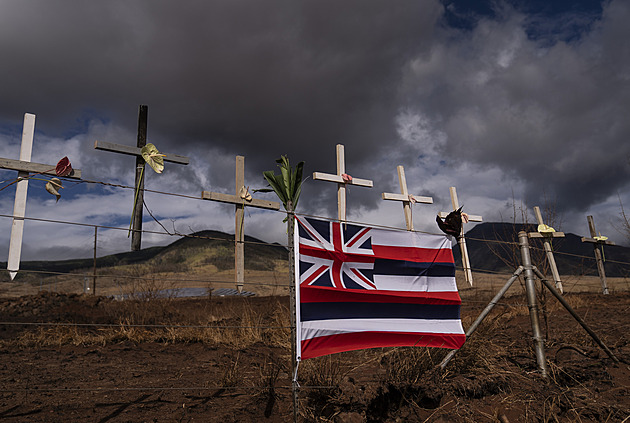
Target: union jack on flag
<point x="361" y="287"/>
<point x="336" y="255"/>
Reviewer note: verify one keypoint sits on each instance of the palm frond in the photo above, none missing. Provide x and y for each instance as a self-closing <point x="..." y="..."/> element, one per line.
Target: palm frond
<point x="288" y="184"/>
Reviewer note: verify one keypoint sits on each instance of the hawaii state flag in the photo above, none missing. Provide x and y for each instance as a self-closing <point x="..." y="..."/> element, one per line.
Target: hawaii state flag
<point x="361" y="287"/>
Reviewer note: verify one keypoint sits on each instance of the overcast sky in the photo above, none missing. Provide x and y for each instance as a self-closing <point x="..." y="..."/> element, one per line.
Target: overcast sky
<point x="517" y="104"/>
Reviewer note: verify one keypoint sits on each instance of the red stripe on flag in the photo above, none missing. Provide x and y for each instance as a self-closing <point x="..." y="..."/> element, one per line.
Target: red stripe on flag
<point x="359" y="340"/>
<point x="315" y="294"/>
<point x="335" y="255"/>
<point x="422" y="255"/>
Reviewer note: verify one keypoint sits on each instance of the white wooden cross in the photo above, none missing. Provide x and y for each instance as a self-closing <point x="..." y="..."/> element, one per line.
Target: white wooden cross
<point x="406" y="198"/>
<point x="598" y="247"/>
<point x="461" y="239"/>
<point x="136" y="237"/>
<point x="241" y="199"/>
<point x="24" y="166"/>
<point x="546" y="236"/>
<point x="342" y="179"/>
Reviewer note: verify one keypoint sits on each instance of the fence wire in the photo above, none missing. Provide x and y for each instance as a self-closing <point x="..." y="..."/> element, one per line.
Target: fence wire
<point x="233" y="388"/>
<point x="97" y="275"/>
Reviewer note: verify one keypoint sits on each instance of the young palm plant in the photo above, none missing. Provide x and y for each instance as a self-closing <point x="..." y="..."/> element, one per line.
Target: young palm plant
<point x="287" y="185"/>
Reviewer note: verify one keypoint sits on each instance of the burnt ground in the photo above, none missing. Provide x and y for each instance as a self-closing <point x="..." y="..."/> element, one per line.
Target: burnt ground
<point x="226" y="360"/>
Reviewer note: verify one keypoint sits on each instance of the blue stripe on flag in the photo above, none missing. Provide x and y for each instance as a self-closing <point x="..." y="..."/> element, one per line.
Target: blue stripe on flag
<point x="412" y="268"/>
<point x="351" y="310"/>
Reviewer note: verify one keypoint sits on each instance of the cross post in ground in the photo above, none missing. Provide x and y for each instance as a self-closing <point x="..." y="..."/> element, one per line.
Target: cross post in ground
<point x="25" y="167"/>
<point x="406" y="198"/>
<point x="598" y="247"/>
<point x="136" y="236"/>
<point x="342" y="179"/>
<point x="546" y="237"/>
<point x="461" y="239"/>
<point x="241" y="199"/>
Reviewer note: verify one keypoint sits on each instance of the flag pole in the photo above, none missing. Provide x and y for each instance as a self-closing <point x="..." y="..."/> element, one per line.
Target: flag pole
<point x="292" y="306"/>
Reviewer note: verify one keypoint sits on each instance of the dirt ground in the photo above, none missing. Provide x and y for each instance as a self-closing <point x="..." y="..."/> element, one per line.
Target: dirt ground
<point x="80" y="358"/>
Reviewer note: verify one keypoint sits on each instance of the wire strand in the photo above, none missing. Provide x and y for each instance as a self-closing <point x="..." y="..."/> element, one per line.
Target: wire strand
<point x="164" y="388"/>
<point x="126" y="325"/>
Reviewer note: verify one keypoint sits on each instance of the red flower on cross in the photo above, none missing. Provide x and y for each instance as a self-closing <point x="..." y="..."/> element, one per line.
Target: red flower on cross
<point x="64" y="168"/>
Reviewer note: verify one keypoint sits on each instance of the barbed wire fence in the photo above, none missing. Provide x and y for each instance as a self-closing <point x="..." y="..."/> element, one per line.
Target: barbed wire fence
<point x="143" y="278"/>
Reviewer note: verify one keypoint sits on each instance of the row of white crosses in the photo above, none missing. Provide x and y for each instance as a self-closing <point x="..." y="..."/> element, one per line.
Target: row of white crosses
<point x="341" y="178"/>
<point x="243" y="198"/>
<point x="25" y="167"/>
<point x="240" y="199"/>
<point x="547" y="233"/>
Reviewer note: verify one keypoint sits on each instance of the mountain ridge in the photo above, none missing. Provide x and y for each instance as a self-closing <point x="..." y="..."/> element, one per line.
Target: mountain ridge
<point x="219" y="246"/>
<point x="492" y="247"/>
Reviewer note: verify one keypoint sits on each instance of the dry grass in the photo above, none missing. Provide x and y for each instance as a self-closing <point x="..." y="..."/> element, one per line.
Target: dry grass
<point x="137" y="281"/>
<point x="219" y="322"/>
<point x="386" y="383"/>
<point x="379" y="382"/>
<point x="234" y="323"/>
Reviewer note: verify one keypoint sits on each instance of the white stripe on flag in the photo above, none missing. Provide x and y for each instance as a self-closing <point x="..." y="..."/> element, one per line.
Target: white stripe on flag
<point x="316" y="328"/>
<point x="415" y="283"/>
<point x="409" y="239"/>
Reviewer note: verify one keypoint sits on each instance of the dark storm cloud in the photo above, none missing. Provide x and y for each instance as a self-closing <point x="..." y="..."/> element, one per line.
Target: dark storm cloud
<point x="553" y="116"/>
<point x="265" y="78"/>
<point x="258" y="78"/>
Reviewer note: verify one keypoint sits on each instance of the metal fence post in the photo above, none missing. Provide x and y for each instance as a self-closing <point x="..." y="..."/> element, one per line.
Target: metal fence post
<point x="530" y="287"/>
<point x="94" y="269"/>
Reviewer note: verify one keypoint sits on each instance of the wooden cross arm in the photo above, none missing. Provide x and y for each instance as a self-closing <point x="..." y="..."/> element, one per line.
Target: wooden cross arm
<point x="595" y="241"/>
<point x="135" y="151"/>
<point x="337" y="178"/>
<point x="471" y="217"/>
<point x="233" y="199"/>
<point x="546" y="234"/>
<point x="401" y="197"/>
<point x="31" y="167"/>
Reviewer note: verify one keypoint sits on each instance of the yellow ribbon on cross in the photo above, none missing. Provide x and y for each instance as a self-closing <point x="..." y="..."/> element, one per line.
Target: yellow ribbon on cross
<point x="545" y="229"/>
<point x="244" y="194"/>
<point x="153" y="157"/>
<point x="53" y="186"/>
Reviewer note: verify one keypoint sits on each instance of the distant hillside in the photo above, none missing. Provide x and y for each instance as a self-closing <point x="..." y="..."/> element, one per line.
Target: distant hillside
<point x="217" y="248"/>
<point x="568" y="251"/>
<point x="208" y="247"/>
